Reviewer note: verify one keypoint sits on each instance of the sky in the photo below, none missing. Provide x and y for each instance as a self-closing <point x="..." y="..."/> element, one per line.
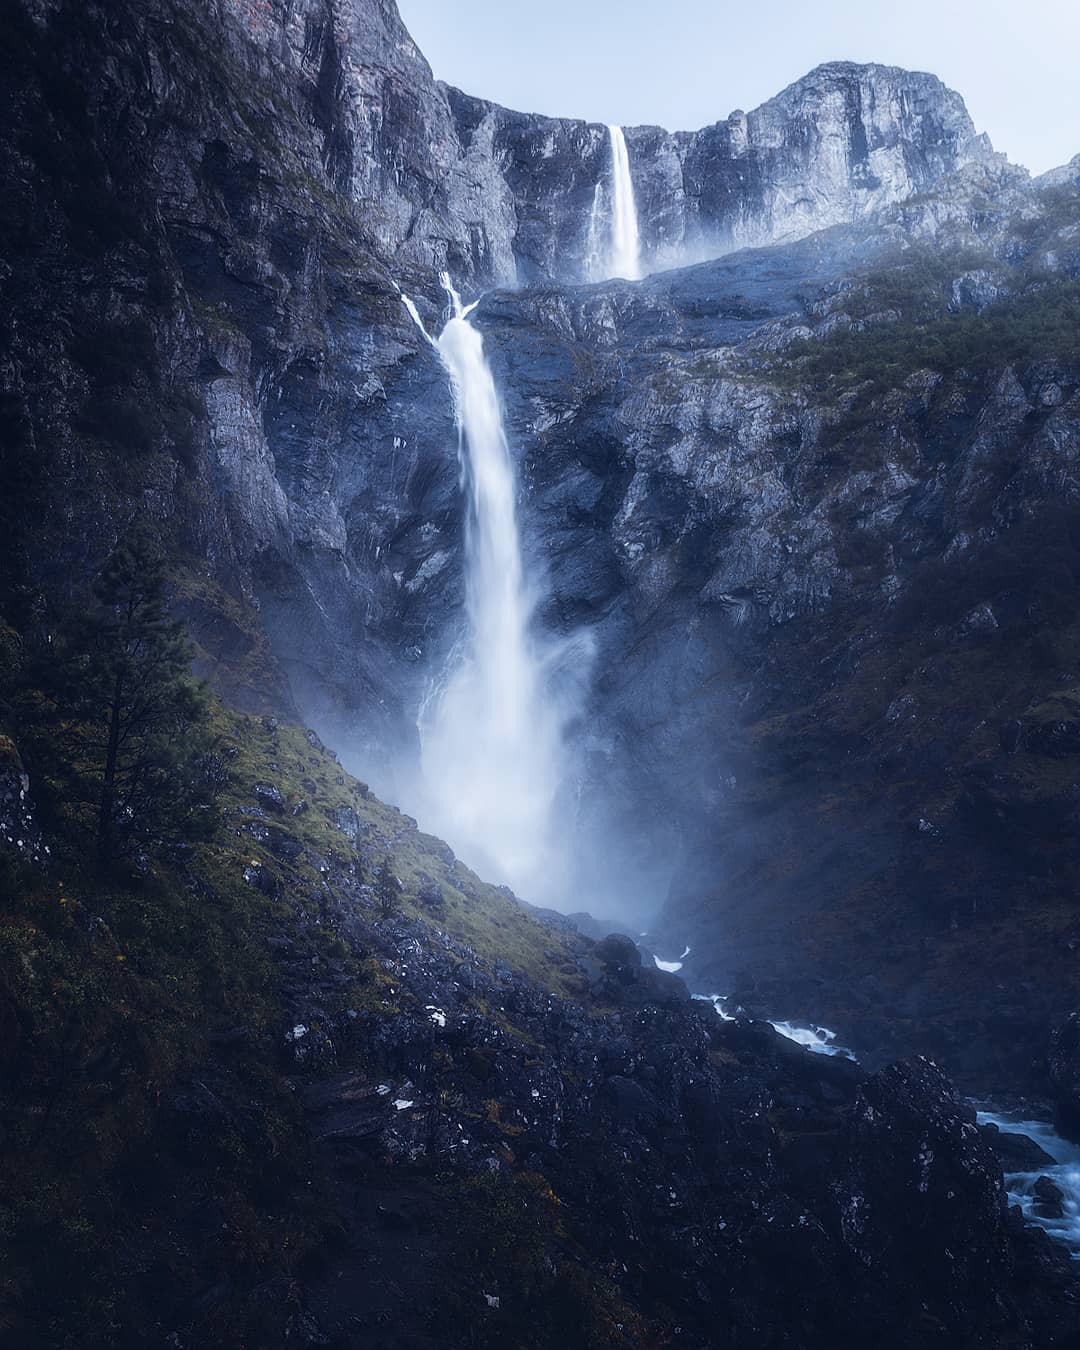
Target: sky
<point x="683" y="64"/>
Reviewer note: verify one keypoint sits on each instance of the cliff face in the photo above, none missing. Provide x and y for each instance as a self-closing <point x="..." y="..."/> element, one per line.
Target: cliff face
<point x="829" y="559"/>
<point x="209" y="214"/>
<point x="230" y="197"/>
<point x="447" y="181"/>
<point x="815" y="504"/>
<point x="834" y="148"/>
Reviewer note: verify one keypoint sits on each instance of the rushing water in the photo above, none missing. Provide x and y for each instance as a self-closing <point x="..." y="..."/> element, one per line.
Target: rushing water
<point x="1064" y="1172"/>
<point x="819" y="1040"/>
<point x="614" y="243"/>
<point x="491" y="731"/>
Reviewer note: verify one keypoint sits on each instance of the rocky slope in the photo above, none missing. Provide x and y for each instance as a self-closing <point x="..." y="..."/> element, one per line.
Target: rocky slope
<point x="248" y="1099"/>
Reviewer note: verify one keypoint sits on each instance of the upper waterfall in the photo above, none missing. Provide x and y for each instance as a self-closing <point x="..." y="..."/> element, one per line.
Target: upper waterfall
<point x="614" y="244"/>
<point x="625" y="237"/>
<point x="491" y="729"/>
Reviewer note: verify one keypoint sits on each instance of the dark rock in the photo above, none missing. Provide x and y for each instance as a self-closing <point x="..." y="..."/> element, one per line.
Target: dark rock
<point x="1049" y="1199"/>
<point x="1016" y="1152"/>
<point x="617" y="950"/>
<point x="1011" y="736"/>
<point x="1055" y="738"/>
<point x="19" y="830"/>
<point x="430" y="895"/>
<point x="348" y="822"/>
<point x="284" y="845"/>
<point x="269" y="797"/>
<point x="630" y="1105"/>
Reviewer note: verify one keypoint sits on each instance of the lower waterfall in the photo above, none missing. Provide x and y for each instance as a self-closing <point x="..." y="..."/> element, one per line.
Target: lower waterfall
<point x="491" y="728"/>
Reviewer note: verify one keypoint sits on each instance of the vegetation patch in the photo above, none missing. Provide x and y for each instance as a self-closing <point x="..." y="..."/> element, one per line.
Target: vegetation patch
<point x="1039" y="325"/>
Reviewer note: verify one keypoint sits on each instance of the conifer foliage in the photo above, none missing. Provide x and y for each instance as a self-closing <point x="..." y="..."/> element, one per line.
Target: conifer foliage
<point x="123" y="721"/>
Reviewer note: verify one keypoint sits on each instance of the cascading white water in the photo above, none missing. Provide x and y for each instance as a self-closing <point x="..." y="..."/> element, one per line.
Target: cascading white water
<point x="491" y="734"/>
<point x="614" y="215"/>
<point x="1062" y="1169"/>
<point x="625" y="241"/>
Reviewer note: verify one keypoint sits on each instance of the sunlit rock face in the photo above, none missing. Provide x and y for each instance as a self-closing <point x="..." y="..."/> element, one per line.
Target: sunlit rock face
<point x="832" y="149"/>
<point x="449" y="180"/>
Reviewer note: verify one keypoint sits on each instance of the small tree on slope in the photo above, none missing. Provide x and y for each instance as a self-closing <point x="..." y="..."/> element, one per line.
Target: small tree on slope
<point x="127" y="724"/>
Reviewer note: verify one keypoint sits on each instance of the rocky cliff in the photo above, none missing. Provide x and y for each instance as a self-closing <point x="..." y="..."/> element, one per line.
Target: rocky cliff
<point x="828" y="559"/>
<point x="225" y="240"/>
<point x="813" y="500"/>
<point x="203" y="241"/>
<point x="449" y="181"/>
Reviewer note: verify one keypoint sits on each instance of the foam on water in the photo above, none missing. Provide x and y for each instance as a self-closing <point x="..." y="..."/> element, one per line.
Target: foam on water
<point x="1064" y="1173"/>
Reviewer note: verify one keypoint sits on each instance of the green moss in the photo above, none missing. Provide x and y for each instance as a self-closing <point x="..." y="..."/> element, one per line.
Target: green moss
<point x="475" y="913"/>
<point x="1041" y="325"/>
<point x="117" y="991"/>
<point x="232" y="651"/>
<point x="517" y="1241"/>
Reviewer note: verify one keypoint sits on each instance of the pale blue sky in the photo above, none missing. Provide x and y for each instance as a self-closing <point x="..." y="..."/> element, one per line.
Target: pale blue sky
<point x="686" y="63"/>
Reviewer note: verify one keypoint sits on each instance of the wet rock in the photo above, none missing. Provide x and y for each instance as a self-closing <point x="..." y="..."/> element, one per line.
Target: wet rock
<point x="348" y="822"/>
<point x="1056" y="738"/>
<point x="269" y="797"/>
<point x="617" y="950"/>
<point x="1011" y="736"/>
<point x="630" y="1104"/>
<point x="284" y="845"/>
<point x="430" y="895"/>
<point x="1049" y="1199"/>
<point x="1016" y="1152"/>
<point x="19" y="831"/>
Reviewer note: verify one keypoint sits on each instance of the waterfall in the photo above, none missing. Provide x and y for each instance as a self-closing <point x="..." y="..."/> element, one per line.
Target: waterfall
<point x="614" y="216"/>
<point x="491" y="731"/>
<point x="625" y="242"/>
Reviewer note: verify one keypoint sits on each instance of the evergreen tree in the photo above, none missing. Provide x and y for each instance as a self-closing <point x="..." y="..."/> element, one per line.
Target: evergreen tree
<point x="387" y="888"/>
<point x="125" y="739"/>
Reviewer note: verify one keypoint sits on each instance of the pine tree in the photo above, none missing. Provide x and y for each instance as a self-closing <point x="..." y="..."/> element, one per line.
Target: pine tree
<point x="387" y="888"/>
<point x="127" y="732"/>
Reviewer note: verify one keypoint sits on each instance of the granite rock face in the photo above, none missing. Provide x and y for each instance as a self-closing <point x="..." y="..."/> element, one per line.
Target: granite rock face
<point x="450" y="181"/>
<point x="814" y="607"/>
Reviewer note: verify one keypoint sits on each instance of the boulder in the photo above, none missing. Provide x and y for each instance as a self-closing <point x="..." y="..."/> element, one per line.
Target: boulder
<point x="1049" y="1199"/>
<point x="269" y="798"/>
<point x="618" y="950"/>
<point x="1016" y="1152"/>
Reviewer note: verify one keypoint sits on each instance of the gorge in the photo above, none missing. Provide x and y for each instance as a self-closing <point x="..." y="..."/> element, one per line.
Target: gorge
<point x="682" y="527"/>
